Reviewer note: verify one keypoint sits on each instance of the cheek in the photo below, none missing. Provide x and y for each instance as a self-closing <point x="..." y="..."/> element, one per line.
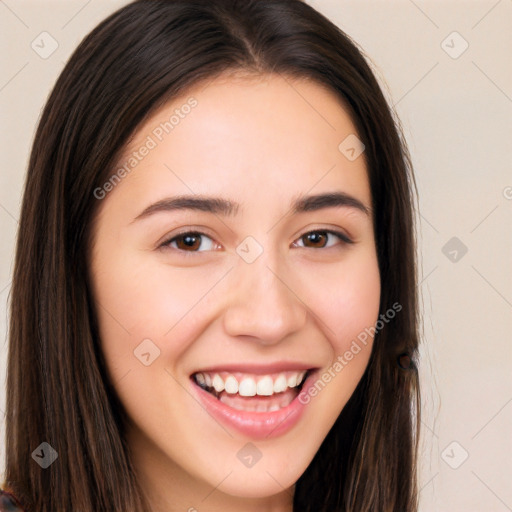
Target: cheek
<point x="346" y="300"/>
<point x="346" y="297"/>
<point x="137" y="300"/>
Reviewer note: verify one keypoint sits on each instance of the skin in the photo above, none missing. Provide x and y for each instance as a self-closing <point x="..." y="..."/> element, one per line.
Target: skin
<point x="261" y="141"/>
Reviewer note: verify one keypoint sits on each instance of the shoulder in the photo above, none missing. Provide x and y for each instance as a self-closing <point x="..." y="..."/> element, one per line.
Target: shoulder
<point x="8" y="502"/>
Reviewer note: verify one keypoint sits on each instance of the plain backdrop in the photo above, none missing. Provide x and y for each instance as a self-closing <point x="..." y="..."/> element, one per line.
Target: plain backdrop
<point x="446" y="67"/>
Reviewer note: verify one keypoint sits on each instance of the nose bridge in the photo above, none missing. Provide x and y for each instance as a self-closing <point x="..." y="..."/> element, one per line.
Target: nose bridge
<point x="263" y="304"/>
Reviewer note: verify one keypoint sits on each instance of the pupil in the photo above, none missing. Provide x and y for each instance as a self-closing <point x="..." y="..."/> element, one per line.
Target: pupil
<point x="190" y="241"/>
<point x="313" y="236"/>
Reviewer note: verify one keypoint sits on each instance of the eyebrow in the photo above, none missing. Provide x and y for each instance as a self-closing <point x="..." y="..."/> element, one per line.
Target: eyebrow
<point x="225" y="207"/>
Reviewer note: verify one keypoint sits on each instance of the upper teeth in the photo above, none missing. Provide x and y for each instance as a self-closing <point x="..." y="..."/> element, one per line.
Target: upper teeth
<point x="245" y="385"/>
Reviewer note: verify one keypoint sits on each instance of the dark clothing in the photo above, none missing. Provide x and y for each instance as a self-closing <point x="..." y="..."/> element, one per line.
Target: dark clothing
<point x="8" y="502"/>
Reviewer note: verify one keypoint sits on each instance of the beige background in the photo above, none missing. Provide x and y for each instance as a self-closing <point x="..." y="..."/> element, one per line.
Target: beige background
<point x="456" y="109"/>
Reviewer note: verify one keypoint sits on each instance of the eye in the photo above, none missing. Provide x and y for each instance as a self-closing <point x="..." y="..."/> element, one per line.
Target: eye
<point x="319" y="238"/>
<point x="189" y="241"/>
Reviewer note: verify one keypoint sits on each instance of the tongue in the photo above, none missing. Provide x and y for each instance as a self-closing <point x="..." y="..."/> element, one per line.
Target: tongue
<point x="258" y="403"/>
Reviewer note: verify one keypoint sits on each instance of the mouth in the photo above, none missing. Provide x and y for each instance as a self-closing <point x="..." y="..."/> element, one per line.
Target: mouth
<point x="253" y="392"/>
<point x="259" y="404"/>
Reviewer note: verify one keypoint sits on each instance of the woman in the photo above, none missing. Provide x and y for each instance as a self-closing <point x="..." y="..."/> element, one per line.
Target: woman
<point x="272" y="370"/>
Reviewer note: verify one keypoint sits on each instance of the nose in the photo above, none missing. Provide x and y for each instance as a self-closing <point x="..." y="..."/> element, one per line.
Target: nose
<point x="263" y="304"/>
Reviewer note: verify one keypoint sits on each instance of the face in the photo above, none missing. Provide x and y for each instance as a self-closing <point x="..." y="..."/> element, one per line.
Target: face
<point x="242" y="297"/>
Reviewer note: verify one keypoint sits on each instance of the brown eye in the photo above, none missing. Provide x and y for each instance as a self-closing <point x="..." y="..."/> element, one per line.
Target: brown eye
<point x="319" y="239"/>
<point x="189" y="241"/>
<point x="316" y="239"/>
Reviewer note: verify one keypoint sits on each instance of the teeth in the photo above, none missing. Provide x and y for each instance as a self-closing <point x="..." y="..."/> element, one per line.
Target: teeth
<point x="247" y="387"/>
<point x="280" y="384"/>
<point x="292" y="380"/>
<point x="231" y="385"/>
<point x="279" y="403"/>
<point x="218" y="383"/>
<point x="265" y="385"/>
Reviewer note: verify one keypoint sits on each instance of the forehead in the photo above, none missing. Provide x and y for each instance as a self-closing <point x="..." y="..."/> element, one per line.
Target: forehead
<point x="240" y="95"/>
<point x="260" y="137"/>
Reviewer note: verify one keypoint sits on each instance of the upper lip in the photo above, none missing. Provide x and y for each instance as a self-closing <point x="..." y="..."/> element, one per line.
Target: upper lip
<point x="258" y="369"/>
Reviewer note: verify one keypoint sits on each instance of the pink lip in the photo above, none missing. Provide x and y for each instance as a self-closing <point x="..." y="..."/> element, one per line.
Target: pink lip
<point x="279" y="366"/>
<point x="256" y="425"/>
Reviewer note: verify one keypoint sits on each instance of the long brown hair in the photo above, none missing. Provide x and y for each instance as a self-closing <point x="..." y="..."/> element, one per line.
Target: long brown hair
<point x="57" y="387"/>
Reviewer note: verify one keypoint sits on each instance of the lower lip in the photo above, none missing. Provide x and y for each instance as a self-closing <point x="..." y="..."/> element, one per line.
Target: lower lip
<point x="256" y="425"/>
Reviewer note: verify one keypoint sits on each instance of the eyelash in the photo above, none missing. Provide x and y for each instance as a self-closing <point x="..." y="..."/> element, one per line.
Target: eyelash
<point x="341" y="236"/>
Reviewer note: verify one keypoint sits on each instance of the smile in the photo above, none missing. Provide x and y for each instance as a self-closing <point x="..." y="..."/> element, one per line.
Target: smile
<point x="249" y="385"/>
<point x="258" y="405"/>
